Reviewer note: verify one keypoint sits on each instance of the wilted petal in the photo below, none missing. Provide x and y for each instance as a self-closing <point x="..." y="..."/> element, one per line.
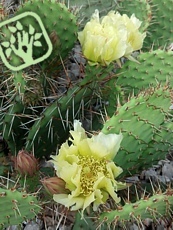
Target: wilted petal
<point x="95" y="16"/>
<point x="113" y="170"/>
<point x="100" y="198"/>
<point x="63" y="199"/>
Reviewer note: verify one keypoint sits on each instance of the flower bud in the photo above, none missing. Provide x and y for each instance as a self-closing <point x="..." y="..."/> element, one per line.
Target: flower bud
<point x="26" y="163"/>
<point x="54" y="185"/>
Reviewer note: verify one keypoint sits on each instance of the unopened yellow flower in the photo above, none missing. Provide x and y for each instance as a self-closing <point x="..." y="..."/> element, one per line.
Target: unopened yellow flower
<point x="110" y="38"/>
<point x="87" y="168"/>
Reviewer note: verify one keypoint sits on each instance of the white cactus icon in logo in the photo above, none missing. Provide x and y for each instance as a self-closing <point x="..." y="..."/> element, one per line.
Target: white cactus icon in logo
<point x="22" y="41"/>
<point x="25" y="41"/>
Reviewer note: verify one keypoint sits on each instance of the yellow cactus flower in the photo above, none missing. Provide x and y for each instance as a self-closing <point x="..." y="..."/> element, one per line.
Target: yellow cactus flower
<point x="87" y="168"/>
<point x="134" y="36"/>
<point x="102" y="44"/>
<point x="110" y="38"/>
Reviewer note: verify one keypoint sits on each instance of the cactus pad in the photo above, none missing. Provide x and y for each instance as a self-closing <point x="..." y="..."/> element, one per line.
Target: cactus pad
<point x="153" y="68"/>
<point x="16" y="207"/>
<point x="141" y="121"/>
<point x="160" y="29"/>
<point x="157" y="206"/>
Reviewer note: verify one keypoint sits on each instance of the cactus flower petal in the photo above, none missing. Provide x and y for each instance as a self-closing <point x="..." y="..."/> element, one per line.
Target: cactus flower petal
<point x="87" y="168"/>
<point x="111" y="37"/>
<point x="134" y="36"/>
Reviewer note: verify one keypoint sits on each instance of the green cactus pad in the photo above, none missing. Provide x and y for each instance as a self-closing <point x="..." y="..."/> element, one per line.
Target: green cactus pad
<point x="51" y="129"/>
<point x="141" y="121"/>
<point x="157" y="206"/>
<point x="11" y="131"/>
<point x="160" y="30"/>
<point x="16" y="207"/>
<point x="153" y="68"/>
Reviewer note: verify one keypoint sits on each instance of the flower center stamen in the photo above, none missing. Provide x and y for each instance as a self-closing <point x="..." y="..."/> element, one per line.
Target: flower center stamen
<point x="89" y="174"/>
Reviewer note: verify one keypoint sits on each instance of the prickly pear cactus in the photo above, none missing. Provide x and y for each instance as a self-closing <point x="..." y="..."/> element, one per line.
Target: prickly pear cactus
<point x="142" y="122"/>
<point x="159" y="32"/>
<point x="52" y="128"/>
<point x="160" y="204"/>
<point x="136" y="97"/>
<point x="154" y="67"/>
<point x="16" y="207"/>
